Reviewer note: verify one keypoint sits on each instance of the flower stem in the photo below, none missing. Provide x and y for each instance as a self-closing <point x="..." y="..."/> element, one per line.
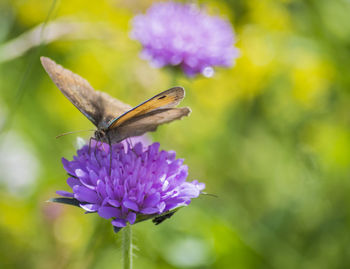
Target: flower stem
<point x="127" y="247"/>
<point x="174" y="78"/>
<point x="174" y="73"/>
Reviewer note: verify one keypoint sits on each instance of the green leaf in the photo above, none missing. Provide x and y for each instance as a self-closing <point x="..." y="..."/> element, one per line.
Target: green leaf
<point x="67" y="201"/>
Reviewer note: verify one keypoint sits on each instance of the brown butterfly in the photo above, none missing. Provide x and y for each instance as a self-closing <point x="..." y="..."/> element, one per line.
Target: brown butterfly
<point x="115" y="120"/>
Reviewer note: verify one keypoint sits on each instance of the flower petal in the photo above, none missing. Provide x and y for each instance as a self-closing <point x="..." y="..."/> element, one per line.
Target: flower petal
<point x="108" y="212"/>
<point x="114" y="203"/>
<point x="119" y="222"/>
<point x="131" y="205"/>
<point x="72" y="181"/>
<point x="84" y="194"/>
<point x="65" y="194"/>
<point x="131" y="217"/>
<point x="89" y="207"/>
<point x="149" y="210"/>
<point x="151" y="200"/>
<point x="189" y="190"/>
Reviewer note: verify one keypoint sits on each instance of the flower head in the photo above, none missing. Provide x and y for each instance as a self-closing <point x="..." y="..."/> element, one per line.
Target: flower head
<point x="182" y="35"/>
<point x="141" y="182"/>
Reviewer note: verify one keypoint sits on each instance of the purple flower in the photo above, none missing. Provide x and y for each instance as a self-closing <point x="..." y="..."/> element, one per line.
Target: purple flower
<point x="182" y="35"/>
<point x="143" y="182"/>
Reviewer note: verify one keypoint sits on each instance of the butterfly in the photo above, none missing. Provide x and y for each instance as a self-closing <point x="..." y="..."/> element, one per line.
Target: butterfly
<point x="114" y="119"/>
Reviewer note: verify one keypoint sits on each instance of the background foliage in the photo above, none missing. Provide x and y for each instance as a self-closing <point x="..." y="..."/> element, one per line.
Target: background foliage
<point x="270" y="137"/>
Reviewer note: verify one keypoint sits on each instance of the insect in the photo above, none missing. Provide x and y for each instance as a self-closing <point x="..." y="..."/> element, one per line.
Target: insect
<point x="158" y="220"/>
<point x="114" y="119"/>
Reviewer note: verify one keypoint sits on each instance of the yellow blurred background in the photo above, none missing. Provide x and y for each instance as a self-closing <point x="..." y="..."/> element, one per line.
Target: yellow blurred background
<point x="270" y="137"/>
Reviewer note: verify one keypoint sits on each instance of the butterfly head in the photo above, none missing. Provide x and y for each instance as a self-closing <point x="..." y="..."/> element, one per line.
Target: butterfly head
<point x="100" y="134"/>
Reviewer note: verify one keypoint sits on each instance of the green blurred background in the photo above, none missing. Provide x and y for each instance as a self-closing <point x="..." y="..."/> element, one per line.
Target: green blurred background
<point x="270" y="137"/>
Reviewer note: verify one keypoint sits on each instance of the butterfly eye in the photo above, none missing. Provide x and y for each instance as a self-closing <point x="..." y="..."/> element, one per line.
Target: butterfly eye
<point x="162" y="97"/>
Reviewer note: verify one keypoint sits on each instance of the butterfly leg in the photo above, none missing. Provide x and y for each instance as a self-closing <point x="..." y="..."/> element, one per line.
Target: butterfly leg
<point x="95" y="150"/>
<point x="131" y="146"/>
<point x="110" y="154"/>
<point x="89" y="151"/>
<point x="129" y="141"/>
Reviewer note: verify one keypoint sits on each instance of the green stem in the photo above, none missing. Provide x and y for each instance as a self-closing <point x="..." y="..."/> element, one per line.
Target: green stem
<point x="174" y="73"/>
<point x="127" y="247"/>
<point x="175" y="78"/>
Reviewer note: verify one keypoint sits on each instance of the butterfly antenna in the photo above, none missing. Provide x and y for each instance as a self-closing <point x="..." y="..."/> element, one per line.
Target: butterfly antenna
<point x="73" y="133"/>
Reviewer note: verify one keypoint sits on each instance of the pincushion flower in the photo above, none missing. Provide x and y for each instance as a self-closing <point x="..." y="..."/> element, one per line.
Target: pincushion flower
<point x="143" y="182"/>
<point x="183" y="35"/>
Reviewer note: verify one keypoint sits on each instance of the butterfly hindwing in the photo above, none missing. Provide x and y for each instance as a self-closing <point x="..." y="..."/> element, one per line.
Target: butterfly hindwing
<point x="111" y="107"/>
<point x="147" y="122"/>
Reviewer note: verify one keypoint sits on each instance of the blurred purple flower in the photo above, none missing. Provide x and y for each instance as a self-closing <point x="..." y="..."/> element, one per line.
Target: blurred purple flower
<point x="182" y="35"/>
<point x="143" y="181"/>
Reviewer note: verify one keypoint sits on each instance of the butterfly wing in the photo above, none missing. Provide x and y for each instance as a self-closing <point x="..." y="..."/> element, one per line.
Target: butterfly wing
<point x="97" y="106"/>
<point x="105" y="111"/>
<point x="147" y="122"/>
<point x="167" y="99"/>
<point x="111" y="108"/>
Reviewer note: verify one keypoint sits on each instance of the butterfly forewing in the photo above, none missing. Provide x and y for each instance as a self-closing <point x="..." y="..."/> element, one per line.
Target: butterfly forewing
<point x="97" y="106"/>
<point x="167" y="99"/>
